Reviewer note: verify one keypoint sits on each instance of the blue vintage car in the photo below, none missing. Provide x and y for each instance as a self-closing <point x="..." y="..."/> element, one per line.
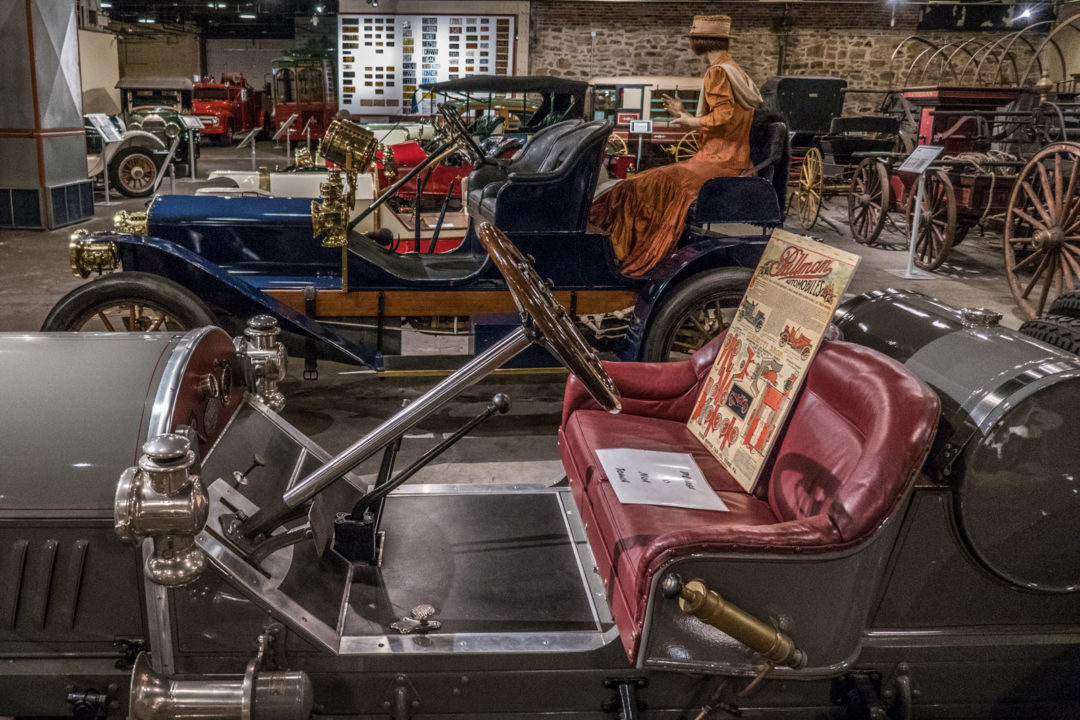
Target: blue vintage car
<point x="194" y="261"/>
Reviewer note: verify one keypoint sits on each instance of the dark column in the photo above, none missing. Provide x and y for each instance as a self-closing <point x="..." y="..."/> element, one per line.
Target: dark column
<point x="43" y="182"/>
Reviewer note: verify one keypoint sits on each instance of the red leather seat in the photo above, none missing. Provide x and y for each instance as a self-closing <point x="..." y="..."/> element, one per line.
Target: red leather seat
<point x="857" y="435"/>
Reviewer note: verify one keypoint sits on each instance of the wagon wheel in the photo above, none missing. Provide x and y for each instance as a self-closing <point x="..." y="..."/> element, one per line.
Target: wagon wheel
<point x="1042" y="228"/>
<point x="868" y="200"/>
<point x="687" y="147"/>
<point x="937" y="222"/>
<point x="616" y="145"/>
<point x="811" y="182"/>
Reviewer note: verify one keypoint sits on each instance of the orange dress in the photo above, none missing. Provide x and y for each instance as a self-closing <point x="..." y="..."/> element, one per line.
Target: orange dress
<point x="646" y="213"/>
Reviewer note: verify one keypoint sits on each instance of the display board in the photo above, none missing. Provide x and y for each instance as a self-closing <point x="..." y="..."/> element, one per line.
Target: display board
<point x="384" y="59"/>
<point x="767" y="351"/>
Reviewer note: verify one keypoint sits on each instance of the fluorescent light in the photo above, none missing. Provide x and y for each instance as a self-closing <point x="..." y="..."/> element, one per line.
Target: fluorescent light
<point x="247" y="16"/>
<point x="147" y="20"/>
<point x="106" y="5"/>
<point x="318" y="8"/>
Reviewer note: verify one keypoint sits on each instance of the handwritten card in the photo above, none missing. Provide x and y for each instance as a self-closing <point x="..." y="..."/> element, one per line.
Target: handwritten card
<point x="648" y="477"/>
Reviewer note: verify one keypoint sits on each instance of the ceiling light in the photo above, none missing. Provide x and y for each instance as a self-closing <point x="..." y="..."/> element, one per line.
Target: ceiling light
<point x="146" y="20"/>
<point x="318" y="8"/>
<point x="106" y="5"/>
<point x="1026" y="13"/>
<point x="247" y="16"/>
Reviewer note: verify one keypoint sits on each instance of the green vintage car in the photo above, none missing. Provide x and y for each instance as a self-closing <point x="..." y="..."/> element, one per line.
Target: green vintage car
<point x="164" y="123"/>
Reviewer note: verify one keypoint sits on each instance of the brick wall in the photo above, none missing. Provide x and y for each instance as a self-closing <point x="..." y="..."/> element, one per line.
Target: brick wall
<point x="852" y="40"/>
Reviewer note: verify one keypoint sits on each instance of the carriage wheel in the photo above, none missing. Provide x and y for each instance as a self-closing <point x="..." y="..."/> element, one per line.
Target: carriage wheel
<point x="687" y="147"/>
<point x="937" y="222"/>
<point x="1042" y="228"/>
<point x="868" y="200"/>
<point x="616" y="145"/>
<point x="811" y="182"/>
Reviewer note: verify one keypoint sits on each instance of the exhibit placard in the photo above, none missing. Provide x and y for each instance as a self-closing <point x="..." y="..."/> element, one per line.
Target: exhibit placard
<point x="103" y="125"/>
<point x="767" y="351"/>
<point x="920" y="158"/>
<point x="650" y="477"/>
<point x="384" y="59"/>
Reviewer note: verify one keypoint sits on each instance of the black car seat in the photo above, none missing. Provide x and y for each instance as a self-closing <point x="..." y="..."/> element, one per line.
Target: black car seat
<point x="548" y="186"/>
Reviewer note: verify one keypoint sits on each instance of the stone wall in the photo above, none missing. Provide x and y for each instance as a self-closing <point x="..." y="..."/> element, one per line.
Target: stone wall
<point x="852" y="40"/>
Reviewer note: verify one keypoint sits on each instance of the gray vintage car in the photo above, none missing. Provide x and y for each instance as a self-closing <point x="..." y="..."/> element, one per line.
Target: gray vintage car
<point x="914" y="552"/>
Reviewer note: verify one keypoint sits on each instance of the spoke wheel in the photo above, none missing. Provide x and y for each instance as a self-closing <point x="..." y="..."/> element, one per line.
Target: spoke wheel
<point x="616" y="145"/>
<point x="692" y="314"/>
<point x="687" y="147"/>
<point x="1042" y="228"/>
<point x="937" y="221"/>
<point x="868" y="200"/>
<point x="128" y="302"/>
<point x="811" y="182"/>
<point x="132" y="172"/>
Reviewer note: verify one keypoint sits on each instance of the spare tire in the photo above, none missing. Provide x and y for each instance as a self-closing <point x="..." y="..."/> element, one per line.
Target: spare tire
<point x="1066" y="304"/>
<point x="1061" y="331"/>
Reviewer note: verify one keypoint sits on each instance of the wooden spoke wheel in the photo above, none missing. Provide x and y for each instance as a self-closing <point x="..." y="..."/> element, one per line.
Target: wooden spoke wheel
<point x="868" y="200"/>
<point x="811" y="183"/>
<point x="616" y="145"/>
<point x="687" y="146"/>
<point x="1042" y="228"/>
<point x="937" y="220"/>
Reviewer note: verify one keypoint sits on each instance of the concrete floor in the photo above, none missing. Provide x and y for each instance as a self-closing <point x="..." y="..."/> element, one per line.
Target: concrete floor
<point x="520" y="447"/>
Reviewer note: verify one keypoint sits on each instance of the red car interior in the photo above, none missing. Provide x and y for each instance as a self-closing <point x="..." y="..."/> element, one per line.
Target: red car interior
<point x="857" y="435"/>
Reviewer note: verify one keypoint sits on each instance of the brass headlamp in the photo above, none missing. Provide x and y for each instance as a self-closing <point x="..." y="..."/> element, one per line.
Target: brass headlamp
<point x="349" y="146"/>
<point x="89" y="254"/>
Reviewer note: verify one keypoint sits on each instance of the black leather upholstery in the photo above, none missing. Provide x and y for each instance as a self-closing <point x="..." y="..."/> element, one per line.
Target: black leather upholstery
<point x="757" y="199"/>
<point x="547" y="186"/>
<point x="750" y="200"/>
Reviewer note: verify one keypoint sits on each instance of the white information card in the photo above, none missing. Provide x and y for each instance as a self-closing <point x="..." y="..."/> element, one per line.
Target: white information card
<point x="648" y="477"/>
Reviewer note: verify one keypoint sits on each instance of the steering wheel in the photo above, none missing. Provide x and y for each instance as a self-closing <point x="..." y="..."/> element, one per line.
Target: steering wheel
<point x="556" y="328"/>
<point x="459" y="134"/>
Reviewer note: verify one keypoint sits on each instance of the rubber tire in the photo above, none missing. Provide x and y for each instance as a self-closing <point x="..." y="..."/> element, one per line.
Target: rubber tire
<point x="730" y="282"/>
<point x="225" y="139"/>
<point x="1060" y="331"/>
<point x="114" y="171"/>
<point x="154" y="290"/>
<point x="1066" y="304"/>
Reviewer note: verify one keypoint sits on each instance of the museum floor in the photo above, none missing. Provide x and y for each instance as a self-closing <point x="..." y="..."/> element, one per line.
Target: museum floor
<point x="516" y="448"/>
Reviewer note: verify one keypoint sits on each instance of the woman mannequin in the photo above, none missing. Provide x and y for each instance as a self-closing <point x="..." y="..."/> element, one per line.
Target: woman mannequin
<point x="645" y="214"/>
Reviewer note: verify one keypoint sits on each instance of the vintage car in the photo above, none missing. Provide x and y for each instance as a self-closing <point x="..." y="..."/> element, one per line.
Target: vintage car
<point x="909" y="553"/>
<point x="212" y="260"/>
<point x="132" y="163"/>
<point x="164" y="123"/>
<point x="791" y="335"/>
<point x="750" y="312"/>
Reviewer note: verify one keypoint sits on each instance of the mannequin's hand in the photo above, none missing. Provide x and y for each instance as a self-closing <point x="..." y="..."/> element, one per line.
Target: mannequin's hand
<point x="673" y="105"/>
<point x="686" y="120"/>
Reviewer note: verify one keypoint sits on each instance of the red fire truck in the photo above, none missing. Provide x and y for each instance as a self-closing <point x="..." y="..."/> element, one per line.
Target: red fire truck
<point x="304" y="86"/>
<point x="229" y="106"/>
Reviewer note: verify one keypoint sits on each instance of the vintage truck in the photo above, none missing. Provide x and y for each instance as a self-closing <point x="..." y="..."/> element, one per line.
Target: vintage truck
<point x="228" y="107"/>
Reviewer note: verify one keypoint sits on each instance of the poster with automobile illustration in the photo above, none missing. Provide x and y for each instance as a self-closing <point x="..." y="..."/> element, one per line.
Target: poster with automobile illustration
<point x="767" y="351"/>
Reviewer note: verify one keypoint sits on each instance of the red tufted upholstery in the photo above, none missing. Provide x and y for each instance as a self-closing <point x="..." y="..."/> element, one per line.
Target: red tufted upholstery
<point x="856" y="437"/>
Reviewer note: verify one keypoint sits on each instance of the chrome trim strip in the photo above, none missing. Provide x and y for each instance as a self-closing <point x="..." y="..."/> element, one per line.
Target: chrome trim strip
<point x="158" y="612"/>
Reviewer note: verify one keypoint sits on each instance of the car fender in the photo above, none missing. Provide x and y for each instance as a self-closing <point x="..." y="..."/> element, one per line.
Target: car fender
<point x="684" y="263"/>
<point x="231" y="298"/>
<point x="136" y="138"/>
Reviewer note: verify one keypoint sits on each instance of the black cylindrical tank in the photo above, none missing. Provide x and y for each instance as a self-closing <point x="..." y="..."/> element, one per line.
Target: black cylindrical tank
<point x="1009" y="437"/>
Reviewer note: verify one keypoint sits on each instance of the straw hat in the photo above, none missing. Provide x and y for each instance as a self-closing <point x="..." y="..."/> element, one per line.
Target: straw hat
<point x="711" y="26"/>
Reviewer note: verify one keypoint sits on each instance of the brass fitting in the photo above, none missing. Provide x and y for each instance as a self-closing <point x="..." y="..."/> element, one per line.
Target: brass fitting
<point x="330" y="214"/>
<point x="302" y="157"/>
<point x="389" y="162"/>
<point x="707" y="605"/>
<point x="88" y="254"/>
<point x="133" y="223"/>
<point x="352" y="147"/>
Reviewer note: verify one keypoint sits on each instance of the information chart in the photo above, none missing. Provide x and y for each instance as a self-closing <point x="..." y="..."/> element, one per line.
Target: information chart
<point x="384" y="59"/>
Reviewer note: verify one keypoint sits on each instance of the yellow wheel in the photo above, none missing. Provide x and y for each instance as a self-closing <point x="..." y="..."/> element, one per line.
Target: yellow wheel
<point x="811" y="181"/>
<point x="687" y="147"/>
<point x="616" y="145"/>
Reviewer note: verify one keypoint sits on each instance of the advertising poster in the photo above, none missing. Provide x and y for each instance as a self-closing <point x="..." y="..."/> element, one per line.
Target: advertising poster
<point x="768" y="347"/>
